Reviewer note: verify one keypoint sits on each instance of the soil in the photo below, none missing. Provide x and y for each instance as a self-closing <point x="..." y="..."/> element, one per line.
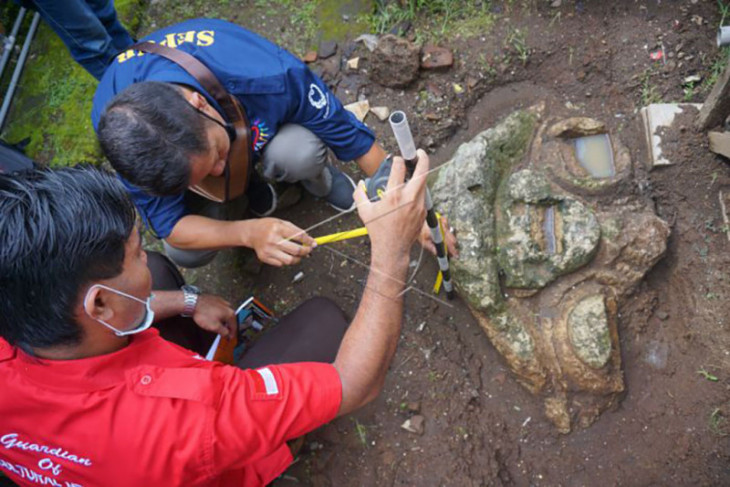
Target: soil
<point x="482" y="427"/>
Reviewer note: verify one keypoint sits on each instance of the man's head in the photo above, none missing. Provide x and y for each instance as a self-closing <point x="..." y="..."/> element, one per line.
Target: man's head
<point x="163" y="137"/>
<point x="61" y="232"/>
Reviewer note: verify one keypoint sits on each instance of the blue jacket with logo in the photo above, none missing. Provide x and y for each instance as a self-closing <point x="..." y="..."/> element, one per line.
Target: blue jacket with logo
<point x="274" y="87"/>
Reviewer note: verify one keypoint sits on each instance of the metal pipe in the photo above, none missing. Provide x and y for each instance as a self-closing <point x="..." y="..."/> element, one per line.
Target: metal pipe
<point x="9" y="43"/>
<point x="18" y="69"/>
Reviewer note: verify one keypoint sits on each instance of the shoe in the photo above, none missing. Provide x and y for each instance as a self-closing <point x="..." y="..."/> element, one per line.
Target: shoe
<point x="340" y="195"/>
<point x="262" y="198"/>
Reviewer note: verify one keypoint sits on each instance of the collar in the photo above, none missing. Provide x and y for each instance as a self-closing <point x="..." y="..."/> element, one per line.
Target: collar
<point x="101" y="372"/>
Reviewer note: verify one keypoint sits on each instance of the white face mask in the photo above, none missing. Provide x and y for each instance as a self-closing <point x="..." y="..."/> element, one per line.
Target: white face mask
<point x="149" y="316"/>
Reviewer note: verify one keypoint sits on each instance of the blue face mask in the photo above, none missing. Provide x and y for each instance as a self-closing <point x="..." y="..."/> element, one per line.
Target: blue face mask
<point x="149" y="316"/>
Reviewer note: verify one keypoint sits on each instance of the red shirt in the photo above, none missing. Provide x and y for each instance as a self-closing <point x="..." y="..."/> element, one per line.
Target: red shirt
<point x="155" y="414"/>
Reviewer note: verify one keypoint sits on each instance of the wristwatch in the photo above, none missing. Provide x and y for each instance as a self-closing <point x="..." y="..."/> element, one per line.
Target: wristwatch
<point x="190" y="296"/>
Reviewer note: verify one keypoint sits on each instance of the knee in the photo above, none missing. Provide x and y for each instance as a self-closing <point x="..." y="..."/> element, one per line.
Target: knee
<point x="328" y="313"/>
<point x="189" y="259"/>
<point x="294" y="154"/>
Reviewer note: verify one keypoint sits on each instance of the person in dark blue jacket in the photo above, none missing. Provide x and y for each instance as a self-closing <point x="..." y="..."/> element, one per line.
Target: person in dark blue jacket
<point x="163" y="133"/>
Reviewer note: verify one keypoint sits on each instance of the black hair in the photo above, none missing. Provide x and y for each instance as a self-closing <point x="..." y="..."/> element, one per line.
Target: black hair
<point x="149" y="132"/>
<point x="59" y="231"/>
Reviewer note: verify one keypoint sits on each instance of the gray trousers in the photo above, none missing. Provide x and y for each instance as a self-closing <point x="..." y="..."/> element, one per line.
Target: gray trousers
<point x="294" y="155"/>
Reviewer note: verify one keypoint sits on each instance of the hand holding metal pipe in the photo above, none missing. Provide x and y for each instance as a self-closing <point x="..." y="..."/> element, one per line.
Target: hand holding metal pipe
<point x="407" y="146"/>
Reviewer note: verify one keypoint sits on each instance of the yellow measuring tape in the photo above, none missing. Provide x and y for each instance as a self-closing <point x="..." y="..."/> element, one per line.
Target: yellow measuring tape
<point x="336" y="237"/>
<point x="362" y="231"/>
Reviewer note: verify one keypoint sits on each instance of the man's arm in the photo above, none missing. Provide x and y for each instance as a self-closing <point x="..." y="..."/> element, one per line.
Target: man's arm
<point x="212" y="313"/>
<point x="393" y="225"/>
<point x="276" y="242"/>
<point x="371" y="160"/>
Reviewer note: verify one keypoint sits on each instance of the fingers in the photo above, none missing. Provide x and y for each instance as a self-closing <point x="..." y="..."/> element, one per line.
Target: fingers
<point x="449" y="237"/>
<point x="418" y="180"/>
<point x="290" y="232"/>
<point x="397" y="174"/>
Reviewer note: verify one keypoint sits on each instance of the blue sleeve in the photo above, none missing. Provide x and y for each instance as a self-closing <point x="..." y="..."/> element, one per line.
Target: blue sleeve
<point x="315" y="107"/>
<point x="160" y="213"/>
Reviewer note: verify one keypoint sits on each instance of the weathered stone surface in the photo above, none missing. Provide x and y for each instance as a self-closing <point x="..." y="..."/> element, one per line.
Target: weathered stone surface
<point x="435" y="58"/>
<point x="577" y="127"/>
<point x="588" y="331"/>
<point x="541" y="235"/>
<point x="394" y="62"/>
<point x="567" y="263"/>
<point x="473" y="174"/>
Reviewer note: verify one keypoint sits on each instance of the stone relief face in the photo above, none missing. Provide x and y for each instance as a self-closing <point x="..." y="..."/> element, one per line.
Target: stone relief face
<point x="548" y="255"/>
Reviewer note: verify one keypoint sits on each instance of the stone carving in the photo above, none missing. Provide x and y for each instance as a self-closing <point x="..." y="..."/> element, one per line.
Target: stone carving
<point x="547" y="257"/>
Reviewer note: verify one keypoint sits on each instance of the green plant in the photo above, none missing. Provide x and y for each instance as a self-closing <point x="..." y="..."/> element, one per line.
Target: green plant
<point x="362" y="432"/>
<point x="517" y="40"/>
<point x="707" y="375"/>
<point x="649" y="92"/>
<point x="718" y="423"/>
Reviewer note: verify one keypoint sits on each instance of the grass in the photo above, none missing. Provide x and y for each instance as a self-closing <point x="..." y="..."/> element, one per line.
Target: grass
<point x="433" y="19"/>
<point x="718" y="423"/>
<point x="649" y="92"/>
<point x="361" y="431"/>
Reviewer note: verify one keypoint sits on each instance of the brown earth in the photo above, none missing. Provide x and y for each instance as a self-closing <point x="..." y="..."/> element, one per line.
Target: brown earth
<point x="482" y="428"/>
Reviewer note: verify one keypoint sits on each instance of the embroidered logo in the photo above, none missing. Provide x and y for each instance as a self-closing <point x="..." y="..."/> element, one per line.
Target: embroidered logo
<point x="260" y="134"/>
<point x="316" y="97"/>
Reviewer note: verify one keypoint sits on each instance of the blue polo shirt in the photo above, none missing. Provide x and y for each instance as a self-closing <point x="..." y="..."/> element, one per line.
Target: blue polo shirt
<point x="274" y="87"/>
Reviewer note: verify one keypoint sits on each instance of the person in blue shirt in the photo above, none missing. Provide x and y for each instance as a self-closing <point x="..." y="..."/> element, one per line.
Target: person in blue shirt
<point x="163" y="133"/>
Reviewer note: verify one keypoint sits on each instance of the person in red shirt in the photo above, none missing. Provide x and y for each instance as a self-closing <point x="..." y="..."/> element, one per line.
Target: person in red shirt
<point x="93" y="396"/>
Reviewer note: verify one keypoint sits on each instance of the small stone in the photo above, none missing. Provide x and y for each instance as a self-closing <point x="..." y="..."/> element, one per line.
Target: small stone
<point x="556" y="3"/>
<point x="434" y="57"/>
<point x="471" y="82"/>
<point x="359" y="109"/>
<point x="298" y="277"/>
<point x="693" y="79"/>
<point x="414" y="425"/>
<point x="327" y="49"/>
<point x="353" y="63"/>
<point x="370" y="41"/>
<point x="414" y="407"/>
<point x="662" y="315"/>
<point x="432" y="116"/>
<point x="500" y="378"/>
<point x="381" y="112"/>
<point x="395" y="62"/>
<point x="310" y="57"/>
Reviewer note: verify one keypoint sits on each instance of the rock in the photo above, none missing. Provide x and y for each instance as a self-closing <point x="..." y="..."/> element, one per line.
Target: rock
<point x="662" y="315"/>
<point x="327" y="49"/>
<point x="589" y="333"/>
<point x="414" y="407"/>
<point x="435" y="58"/>
<point x="359" y="109"/>
<point x="577" y="127"/>
<point x="298" y="277"/>
<point x="330" y="68"/>
<point x="381" y="112"/>
<point x="353" y="63"/>
<point x="556" y="3"/>
<point x="414" y="424"/>
<point x="395" y="62"/>
<point x="370" y="41"/>
<point x="531" y="218"/>
<point x="310" y="57"/>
